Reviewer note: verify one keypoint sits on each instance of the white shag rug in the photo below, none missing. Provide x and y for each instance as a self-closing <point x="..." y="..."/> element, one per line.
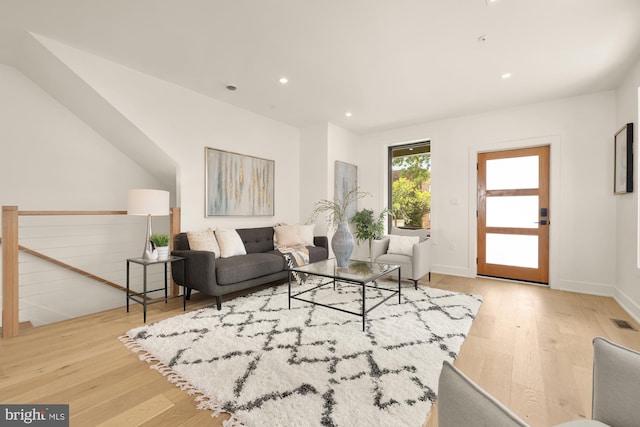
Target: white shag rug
<point x="312" y="366"/>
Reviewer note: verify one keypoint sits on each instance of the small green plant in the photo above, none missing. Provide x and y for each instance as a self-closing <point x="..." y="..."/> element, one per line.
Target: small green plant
<point x="369" y="227"/>
<point x="159" y="240"/>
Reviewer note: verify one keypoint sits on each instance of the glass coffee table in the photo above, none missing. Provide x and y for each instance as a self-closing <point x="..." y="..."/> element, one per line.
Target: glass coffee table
<point x="361" y="273"/>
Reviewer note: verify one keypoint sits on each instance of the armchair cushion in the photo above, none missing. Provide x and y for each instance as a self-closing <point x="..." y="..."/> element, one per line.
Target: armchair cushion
<point x="402" y="245"/>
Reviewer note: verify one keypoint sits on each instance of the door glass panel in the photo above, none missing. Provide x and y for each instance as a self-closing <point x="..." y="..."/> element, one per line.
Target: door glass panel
<point x="512" y="173"/>
<point x="512" y="249"/>
<point x="512" y="211"/>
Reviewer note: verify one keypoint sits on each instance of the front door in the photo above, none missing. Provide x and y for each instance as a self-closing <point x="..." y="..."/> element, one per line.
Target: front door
<point x="513" y="214"/>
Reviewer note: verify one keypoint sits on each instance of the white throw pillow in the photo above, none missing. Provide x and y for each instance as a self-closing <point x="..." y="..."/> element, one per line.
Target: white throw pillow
<point x="402" y="245"/>
<point x="230" y="243"/>
<point x="203" y="241"/>
<point x="306" y="234"/>
<point x="287" y="235"/>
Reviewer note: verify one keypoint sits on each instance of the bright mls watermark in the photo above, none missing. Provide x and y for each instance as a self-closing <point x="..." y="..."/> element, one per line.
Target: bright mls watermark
<point x="34" y="415"/>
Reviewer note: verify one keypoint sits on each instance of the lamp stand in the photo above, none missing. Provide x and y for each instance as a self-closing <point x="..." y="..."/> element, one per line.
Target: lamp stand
<point x="148" y="248"/>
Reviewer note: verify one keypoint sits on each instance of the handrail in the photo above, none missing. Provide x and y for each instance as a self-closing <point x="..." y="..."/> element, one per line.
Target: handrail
<point x="10" y="248"/>
<point x="70" y="267"/>
<point x="50" y="213"/>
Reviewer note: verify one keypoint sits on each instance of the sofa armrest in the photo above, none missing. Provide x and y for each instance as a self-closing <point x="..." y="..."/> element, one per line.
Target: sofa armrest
<point x="422" y="258"/>
<point x="197" y="272"/>
<point x="379" y="247"/>
<point x="322" y="241"/>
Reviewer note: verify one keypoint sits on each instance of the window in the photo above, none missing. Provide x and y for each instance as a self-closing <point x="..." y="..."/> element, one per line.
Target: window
<point x="410" y="185"/>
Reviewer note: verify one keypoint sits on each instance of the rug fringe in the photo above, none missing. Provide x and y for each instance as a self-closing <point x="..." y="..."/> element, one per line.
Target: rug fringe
<point x="203" y="401"/>
<point x="232" y="422"/>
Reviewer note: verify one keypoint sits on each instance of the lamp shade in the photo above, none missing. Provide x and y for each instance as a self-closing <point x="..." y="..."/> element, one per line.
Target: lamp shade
<point x="148" y="202"/>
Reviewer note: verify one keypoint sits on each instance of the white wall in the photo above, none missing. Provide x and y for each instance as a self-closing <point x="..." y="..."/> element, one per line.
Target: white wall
<point x="314" y="172"/>
<point x="50" y="160"/>
<point x="182" y="123"/>
<point x="627" y="213"/>
<point x="582" y="207"/>
<point x="321" y="146"/>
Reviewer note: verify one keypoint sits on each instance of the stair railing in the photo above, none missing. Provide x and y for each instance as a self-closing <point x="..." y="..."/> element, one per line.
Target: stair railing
<point x="11" y="247"/>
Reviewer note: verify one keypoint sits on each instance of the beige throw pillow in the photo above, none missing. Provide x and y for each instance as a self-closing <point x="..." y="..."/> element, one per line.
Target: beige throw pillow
<point x="402" y="245"/>
<point x="230" y="243"/>
<point x="203" y="241"/>
<point x="287" y="235"/>
<point x="306" y="234"/>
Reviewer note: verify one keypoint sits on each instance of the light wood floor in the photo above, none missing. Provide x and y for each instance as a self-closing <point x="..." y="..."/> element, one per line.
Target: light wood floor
<point x="529" y="346"/>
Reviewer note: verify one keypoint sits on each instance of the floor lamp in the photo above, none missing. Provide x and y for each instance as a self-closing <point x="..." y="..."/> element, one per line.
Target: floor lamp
<point x="150" y="203"/>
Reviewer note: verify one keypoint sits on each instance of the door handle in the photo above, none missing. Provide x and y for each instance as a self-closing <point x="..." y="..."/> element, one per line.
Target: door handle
<point x="543" y="222"/>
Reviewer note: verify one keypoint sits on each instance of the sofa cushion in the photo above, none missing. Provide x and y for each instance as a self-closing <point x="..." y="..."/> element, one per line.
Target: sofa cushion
<point x="181" y="242"/>
<point x="317" y="253"/>
<point x="288" y="235"/>
<point x="239" y="268"/>
<point x="306" y="234"/>
<point x="256" y="240"/>
<point x="203" y="241"/>
<point x="230" y="243"/>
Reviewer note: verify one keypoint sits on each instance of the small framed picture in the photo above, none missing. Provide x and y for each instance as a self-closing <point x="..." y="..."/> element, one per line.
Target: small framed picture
<point x="623" y="160"/>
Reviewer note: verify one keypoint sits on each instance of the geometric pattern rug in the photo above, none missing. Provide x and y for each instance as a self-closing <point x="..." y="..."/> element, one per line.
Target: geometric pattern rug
<point x="267" y="365"/>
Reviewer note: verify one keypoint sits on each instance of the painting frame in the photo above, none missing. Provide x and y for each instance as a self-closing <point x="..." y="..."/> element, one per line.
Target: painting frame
<point x="345" y="181"/>
<point x="238" y="184"/>
<point x="623" y="160"/>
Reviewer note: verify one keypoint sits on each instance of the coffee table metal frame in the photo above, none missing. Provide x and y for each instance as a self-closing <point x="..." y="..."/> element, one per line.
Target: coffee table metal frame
<point x="346" y="275"/>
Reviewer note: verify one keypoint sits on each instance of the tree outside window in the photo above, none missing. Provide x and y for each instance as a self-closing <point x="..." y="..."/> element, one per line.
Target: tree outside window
<point x="411" y="195"/>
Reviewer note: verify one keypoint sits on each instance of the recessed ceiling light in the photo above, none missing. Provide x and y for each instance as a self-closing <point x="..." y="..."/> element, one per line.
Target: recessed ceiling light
<point x="284" y="80"/>
<point x="348" y="114"/>
<point x="231" y="86"/>
<point x="505" y="76"/>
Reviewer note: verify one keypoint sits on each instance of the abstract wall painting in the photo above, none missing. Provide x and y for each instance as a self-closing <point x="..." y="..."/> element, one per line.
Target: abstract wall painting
<point x="623" y="160"/>
<point x="346" y="180"/>
<point x="238" y="185"/>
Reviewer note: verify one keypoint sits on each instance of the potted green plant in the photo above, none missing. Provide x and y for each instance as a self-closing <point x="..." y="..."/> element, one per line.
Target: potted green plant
<point x="336" y="212"/>
<point x="368" y="226"/>
<point x="161" y="243"/>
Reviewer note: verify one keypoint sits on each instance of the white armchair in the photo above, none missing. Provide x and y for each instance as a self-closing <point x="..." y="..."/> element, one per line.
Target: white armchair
<point x="410" y="249"/>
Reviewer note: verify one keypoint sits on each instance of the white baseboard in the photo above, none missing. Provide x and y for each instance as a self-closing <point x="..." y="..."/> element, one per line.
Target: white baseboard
<point x="451" y="270"/>
<point x="621" y="298"/>
<point x="584" y="288"/>
<point x="628" y="305"/>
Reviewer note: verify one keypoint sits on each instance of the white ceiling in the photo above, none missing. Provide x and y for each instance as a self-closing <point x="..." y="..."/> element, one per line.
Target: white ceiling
<point x="389" y="62"/>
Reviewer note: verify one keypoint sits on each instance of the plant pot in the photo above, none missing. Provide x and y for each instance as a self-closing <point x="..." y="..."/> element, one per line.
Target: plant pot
<point x="342" y="244"/>
<point x="163" y="252"/>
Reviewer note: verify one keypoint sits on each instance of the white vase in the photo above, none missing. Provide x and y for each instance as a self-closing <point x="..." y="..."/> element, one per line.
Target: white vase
<point x="163" y="252"/>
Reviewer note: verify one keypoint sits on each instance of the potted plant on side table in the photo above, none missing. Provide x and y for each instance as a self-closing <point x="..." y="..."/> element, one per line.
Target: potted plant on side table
<point x="161" y="243"/>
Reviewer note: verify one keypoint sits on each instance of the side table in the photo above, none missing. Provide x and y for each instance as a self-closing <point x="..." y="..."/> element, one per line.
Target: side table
<point x="145" y="299"/>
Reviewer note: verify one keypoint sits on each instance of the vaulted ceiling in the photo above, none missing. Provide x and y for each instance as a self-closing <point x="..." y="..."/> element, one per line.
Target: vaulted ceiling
<point x="389" y="63"/>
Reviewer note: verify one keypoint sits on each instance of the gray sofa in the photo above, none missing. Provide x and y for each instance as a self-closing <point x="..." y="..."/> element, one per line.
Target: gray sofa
<point x="221" y="276"/>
